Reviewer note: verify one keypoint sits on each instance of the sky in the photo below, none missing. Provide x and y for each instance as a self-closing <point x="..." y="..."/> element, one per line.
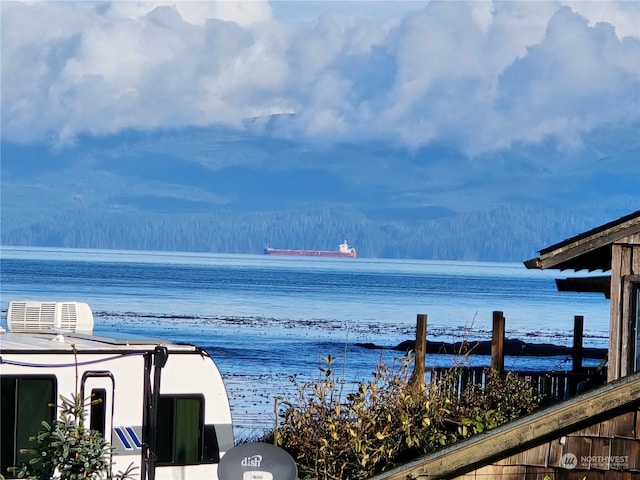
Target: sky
<point x="481" y="76"/>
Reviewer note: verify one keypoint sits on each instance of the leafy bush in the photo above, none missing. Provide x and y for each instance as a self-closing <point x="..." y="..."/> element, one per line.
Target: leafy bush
<point x="68" y="451"/>
<point x="389" y="420"/>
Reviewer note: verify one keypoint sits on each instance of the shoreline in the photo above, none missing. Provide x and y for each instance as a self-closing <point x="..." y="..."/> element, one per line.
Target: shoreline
<point x="263" y="359"/>
<point x="512" y="347"/>
<point x="364" y="331"/>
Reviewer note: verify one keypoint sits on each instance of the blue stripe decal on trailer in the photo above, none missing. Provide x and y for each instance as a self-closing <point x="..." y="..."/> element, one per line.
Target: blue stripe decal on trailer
<point x="123" y="438"/>
<point x="134" y="437"/>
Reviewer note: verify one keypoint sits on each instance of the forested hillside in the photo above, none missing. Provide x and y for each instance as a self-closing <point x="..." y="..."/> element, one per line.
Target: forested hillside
<point x="503" y="234"/>
<point x="215" y="190"/>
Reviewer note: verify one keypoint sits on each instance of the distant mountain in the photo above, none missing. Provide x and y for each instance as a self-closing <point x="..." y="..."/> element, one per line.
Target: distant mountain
<point x="221" y="190"/>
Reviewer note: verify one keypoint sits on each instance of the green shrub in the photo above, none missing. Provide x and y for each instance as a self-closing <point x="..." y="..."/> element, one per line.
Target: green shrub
<point x="388" y="420"/>
<point x="66" y="450"/>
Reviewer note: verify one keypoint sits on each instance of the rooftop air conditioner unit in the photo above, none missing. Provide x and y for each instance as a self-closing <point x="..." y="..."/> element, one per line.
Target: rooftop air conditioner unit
<point x="36" y="316"/>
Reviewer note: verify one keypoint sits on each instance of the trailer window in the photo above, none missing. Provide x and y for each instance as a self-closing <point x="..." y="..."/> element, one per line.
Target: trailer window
<point x="24" y="403"/>
<point x="182" y="437"/>
<point x="97" y="413"/>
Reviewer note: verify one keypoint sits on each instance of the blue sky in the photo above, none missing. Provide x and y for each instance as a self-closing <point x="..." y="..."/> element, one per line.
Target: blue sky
<point x="481" y="76"/>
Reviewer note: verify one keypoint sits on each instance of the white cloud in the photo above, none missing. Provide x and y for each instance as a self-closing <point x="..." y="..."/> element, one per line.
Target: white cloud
<point x="479" y="75"/>
<point x="622" y="15"/>
<point x="198" y="12"/>
<point x="576" y="78"/>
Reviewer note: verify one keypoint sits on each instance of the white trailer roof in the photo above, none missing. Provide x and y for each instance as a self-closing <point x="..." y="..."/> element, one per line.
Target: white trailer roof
<point x="62" y="341"/>
<point x="47" y="326"/>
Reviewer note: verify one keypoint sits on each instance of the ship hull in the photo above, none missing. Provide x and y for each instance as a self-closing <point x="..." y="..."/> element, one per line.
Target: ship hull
<point x="309" y="253"/>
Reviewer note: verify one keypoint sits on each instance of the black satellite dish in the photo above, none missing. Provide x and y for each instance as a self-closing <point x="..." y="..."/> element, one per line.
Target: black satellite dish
<point x="257" y="461"/>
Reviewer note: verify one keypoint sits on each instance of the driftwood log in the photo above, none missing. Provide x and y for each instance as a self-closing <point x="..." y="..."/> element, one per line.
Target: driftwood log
<point x="512" y="347"/>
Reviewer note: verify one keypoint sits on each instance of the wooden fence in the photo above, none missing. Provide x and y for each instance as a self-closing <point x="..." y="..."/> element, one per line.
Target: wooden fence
<point x="551" y="386"/>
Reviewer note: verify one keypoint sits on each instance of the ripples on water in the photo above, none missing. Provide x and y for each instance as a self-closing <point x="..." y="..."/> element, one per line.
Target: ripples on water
<point x="270" y="320"/>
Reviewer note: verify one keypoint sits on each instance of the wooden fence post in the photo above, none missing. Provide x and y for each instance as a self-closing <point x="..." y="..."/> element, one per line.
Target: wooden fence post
<point x="497" y="342"/>
<point x="578" y="332"/>
<point x="418" y="375"/>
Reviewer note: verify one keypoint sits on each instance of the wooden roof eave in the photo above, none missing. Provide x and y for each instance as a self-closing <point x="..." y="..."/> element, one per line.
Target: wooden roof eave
<point x="563" y="255"/>
<point x="599" y="284"/>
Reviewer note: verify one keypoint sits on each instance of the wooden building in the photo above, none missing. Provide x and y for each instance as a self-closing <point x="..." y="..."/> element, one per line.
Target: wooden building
<point x="594" y="435"/>
<point x="615" y="248"/>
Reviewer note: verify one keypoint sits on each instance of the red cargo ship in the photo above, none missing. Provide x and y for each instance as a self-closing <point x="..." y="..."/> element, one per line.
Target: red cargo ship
<point x="344" y="250"/>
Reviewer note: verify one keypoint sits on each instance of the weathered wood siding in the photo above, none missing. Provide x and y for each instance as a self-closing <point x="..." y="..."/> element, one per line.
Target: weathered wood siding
<point x="625" y="261"/>
<point x="537" y="442"/>
<point x="593" y="446"/>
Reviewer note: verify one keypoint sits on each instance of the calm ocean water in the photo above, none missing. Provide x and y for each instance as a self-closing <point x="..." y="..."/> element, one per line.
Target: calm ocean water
<point x="267" y="320"/>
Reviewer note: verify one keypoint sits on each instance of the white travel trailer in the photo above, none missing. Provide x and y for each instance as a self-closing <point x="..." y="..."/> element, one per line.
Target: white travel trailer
<point x="163" y="406"/>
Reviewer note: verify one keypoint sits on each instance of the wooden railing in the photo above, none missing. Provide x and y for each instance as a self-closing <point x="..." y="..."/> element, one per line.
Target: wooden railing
<point x="551" y="386"/>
